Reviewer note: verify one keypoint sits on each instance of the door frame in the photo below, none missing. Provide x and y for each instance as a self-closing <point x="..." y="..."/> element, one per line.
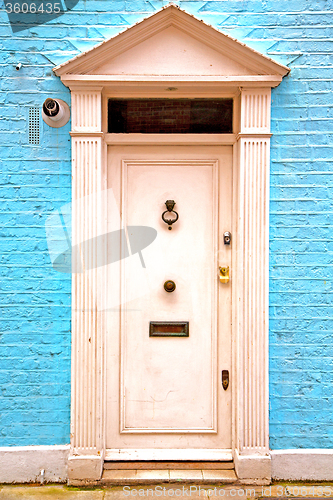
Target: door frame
<point x="250" y="270"/>
<point x="113" y="68"/>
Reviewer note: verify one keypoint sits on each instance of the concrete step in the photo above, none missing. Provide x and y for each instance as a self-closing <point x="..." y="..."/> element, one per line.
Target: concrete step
<point x="162" y="465"/>
<point x="158" y="476"/>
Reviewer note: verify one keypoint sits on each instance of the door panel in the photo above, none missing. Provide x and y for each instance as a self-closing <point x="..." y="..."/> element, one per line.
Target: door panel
<point x="166" y="392"/>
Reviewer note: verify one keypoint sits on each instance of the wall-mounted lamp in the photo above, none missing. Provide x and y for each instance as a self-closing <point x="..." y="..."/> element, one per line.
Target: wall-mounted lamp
<point x="55" y="112"/>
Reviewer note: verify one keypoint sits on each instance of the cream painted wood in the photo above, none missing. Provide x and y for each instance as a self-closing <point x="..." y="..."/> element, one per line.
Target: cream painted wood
<point x="171" y="139"/>
<point x="251" y="339"/>
<point x="170" y="388"/>
<point x="177" y="455"/>
<point x="161" y="28"/>
<point x="86" y="111"/>
<point x="250" y="174"/>
<point x="88" y="329"/>
<point x="169" y="395"/>
<point x="256" y="111"/>
<point x="182" y="54"/>
<point x="254" y="431"/>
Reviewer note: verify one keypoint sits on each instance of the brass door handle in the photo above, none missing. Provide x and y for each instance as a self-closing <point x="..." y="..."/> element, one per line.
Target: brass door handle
<point x="224" y="274"/>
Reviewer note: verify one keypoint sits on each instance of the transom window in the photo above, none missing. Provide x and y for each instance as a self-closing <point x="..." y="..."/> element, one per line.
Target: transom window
<point x="170" y="116"/>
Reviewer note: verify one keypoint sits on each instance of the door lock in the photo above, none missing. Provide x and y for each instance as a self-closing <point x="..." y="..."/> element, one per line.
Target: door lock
<point x="224" y="274"/>
<point x="227" y="238"/>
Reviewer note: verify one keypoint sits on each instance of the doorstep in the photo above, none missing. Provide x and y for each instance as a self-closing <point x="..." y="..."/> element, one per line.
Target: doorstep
<point x="133" y="477"/>
<point x="163" y="465"/>
<point x="158" y="476"/>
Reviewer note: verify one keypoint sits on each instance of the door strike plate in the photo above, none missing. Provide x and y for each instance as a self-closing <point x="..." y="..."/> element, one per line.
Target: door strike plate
<point x="224" y="274"/>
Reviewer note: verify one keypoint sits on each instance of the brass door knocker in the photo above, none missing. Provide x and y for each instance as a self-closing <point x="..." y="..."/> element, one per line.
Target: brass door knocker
<point x="170" y="205"/>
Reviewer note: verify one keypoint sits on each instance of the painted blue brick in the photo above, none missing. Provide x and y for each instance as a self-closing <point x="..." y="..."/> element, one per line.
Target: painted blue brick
<point x="281" y="19"/>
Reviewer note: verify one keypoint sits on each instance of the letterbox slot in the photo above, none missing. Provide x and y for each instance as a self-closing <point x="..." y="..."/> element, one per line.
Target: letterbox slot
<point x="169" y="329"/>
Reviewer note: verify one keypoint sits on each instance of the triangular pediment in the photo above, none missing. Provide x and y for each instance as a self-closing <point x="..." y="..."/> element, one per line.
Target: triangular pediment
<point x="171" y="52"/>
<point x="172" y="43"/>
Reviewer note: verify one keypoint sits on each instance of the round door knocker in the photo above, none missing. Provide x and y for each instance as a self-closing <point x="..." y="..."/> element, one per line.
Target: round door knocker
<point x="170" y="205"/>
<point x="169" y="286"/>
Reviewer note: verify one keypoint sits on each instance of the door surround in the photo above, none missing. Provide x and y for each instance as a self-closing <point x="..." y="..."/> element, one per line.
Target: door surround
<point x="251" y="92"/>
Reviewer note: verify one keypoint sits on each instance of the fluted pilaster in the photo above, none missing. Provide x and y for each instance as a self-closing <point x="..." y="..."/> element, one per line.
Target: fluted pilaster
<point x="252" y="431"/>
<point x="88" y="222"/>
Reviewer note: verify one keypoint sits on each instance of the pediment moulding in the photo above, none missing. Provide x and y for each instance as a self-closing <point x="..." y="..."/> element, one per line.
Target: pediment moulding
<point x="171" y="47"/>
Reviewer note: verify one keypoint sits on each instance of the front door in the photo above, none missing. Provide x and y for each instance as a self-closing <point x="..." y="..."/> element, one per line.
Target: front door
<point x="169" y="315"/>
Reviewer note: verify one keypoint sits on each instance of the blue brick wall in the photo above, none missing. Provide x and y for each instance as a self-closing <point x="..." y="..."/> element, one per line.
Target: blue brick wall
<point x="301" y="272"/>
<point x="35" y="300"/>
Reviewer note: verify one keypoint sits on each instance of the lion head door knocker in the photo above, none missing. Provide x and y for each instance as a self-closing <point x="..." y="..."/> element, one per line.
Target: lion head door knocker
<point x="170" y="205"/>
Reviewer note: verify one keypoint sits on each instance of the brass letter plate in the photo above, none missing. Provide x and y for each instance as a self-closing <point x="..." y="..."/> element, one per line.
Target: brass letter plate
<point x="169" y="329"/>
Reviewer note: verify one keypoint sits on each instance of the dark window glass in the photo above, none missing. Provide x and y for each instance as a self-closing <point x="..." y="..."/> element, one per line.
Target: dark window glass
<point x="170" y="116"/>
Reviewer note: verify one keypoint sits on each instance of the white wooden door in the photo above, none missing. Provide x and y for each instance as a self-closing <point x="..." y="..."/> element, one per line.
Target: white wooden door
<point x="165" y="397"/>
